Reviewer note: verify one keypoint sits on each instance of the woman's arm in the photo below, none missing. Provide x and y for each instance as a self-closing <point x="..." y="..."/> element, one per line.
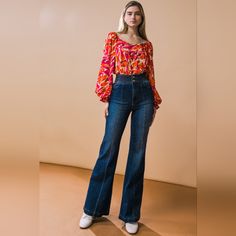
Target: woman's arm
<point x="151" y="77"/>
<point x="105" y="79"/>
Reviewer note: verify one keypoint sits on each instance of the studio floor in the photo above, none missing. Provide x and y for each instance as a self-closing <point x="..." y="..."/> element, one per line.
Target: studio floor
<point x="167" y="209"/>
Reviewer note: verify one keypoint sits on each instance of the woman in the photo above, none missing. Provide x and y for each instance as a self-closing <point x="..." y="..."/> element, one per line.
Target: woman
<point x="129" y="55"/>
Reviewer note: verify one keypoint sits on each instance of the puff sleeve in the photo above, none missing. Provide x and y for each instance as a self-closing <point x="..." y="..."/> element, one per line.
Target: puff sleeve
<point x="105" y="78"/>
<point x="151" y="77"/>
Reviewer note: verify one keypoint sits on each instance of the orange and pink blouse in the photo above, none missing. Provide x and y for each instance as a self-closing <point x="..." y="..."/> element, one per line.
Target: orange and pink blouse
<point x="121" y="57"/>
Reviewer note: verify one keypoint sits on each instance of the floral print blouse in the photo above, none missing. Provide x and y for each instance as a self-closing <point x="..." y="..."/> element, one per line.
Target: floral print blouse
<point x="121" y="57"/>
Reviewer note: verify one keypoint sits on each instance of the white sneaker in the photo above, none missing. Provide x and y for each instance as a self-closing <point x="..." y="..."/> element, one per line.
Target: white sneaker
<point x="85" y="221"/>
<point x="132" y="228"/>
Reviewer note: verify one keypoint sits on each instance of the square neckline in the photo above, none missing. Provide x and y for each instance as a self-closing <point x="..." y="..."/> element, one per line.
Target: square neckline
<point x="128" y="42"/>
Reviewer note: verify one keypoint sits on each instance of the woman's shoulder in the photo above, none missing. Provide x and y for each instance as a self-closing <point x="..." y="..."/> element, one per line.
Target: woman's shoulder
<point x="112" y="35"/>
<point x="149" y="43"/>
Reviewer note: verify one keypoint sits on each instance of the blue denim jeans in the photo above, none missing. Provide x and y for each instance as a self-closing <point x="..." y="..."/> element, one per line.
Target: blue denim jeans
<point x="131" y="94"/>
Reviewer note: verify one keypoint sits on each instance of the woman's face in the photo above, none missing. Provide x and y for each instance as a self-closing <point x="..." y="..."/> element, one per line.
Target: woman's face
<point x="133" y="16"/>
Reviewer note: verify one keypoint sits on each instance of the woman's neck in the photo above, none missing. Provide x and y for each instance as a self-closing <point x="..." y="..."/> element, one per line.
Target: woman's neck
<point x="132" y="32"/>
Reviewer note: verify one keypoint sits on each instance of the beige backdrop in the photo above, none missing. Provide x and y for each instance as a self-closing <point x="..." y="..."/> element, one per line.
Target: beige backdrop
<point x="72" y="121"/>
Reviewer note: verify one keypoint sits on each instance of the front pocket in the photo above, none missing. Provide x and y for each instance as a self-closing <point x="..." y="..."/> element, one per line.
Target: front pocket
<point x="118" y="93"/>
<point x="146" y="84"/>
<point x="116" y="84"/>
<point x="147" y="91"/>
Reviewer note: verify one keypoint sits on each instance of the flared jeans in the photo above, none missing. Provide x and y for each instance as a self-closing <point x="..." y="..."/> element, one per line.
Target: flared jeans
<point x="131" y="94"/>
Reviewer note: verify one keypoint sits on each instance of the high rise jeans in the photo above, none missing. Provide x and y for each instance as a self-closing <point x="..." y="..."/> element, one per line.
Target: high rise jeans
<point x="130" y="94"/>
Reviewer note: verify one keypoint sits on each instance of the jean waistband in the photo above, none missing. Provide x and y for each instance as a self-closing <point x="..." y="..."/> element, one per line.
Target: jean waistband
<point x="135" y="77"/>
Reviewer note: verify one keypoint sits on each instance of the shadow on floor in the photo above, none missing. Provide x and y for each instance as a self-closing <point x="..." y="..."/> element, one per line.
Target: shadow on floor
<point x="104" y="227"/>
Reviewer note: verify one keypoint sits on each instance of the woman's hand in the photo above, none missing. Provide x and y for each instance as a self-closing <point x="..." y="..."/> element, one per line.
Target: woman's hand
<point x="106" y="109"/>
<point x="153" y="116"/>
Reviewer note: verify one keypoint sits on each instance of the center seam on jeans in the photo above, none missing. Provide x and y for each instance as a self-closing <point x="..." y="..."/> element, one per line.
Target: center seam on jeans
<point x="103" y="180"/>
